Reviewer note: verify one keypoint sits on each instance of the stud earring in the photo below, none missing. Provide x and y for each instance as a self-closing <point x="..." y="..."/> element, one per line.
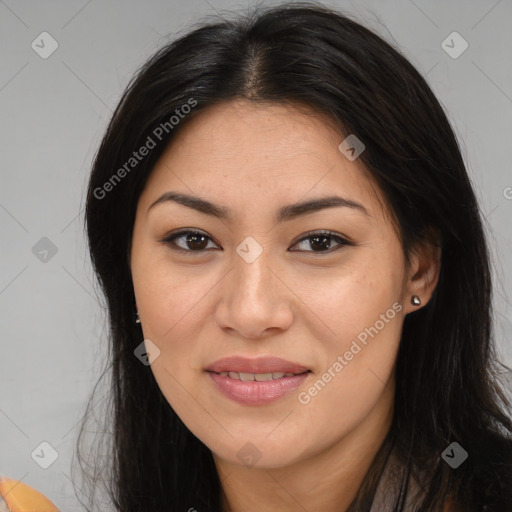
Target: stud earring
<point x="137" y="317"/>
<point x="415" y="300"/>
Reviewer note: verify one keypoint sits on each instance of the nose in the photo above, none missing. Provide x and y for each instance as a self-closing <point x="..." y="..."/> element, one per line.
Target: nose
<point x="255" y="301"/>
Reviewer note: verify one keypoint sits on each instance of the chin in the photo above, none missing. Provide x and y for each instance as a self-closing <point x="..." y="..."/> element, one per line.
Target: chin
<point x="259" y="453"/>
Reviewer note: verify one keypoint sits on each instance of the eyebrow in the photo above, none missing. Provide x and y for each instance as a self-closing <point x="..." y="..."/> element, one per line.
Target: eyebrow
<point x="284" y="213"/>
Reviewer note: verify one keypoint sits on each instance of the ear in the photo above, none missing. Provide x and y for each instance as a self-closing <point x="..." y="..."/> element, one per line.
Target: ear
<point x="423" y="270"/>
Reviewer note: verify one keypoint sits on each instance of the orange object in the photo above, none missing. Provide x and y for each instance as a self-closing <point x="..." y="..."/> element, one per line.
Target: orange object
<point x="15" y="496"/>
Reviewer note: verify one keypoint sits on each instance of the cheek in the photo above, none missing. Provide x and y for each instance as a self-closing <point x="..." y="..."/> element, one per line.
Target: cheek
<point x="360" y="328"/>
<point x="173" y="317"/>
<point x="171" y="299"/>
<point x="348" y="300"/>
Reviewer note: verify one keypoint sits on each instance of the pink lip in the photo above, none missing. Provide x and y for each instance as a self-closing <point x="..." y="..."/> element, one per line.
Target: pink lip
<point x="256" y="392"/>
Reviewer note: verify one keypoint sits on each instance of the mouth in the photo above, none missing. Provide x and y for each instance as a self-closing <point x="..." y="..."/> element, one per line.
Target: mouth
<point x="256" y="381"/>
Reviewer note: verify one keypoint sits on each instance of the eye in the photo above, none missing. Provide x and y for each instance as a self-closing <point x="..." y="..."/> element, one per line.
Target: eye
<point x="190" y="240"/>
<point x="320" y="241"/>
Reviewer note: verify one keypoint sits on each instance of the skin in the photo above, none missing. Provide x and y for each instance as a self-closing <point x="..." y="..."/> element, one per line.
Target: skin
<point x="294" y="301"/>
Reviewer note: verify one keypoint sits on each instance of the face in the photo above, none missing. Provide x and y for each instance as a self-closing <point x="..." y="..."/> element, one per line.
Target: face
<point x="277" y="327"/>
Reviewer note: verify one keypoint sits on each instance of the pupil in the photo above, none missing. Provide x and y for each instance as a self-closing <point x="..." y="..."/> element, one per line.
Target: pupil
<point x="193" y="239"/>
<point x="322" y="246"/>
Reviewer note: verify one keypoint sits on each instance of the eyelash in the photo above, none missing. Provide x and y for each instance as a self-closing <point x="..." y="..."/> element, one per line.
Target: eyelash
<point x="169" y="240"/>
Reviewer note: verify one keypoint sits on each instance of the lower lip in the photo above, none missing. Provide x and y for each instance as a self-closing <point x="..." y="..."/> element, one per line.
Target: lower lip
<point x="257" y="392"/>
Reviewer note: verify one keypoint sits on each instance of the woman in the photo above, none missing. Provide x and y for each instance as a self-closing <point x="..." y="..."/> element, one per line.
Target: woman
<point x="297" y="281"/>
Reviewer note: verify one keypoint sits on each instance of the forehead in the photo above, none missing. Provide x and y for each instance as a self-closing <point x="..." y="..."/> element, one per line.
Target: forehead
<point x="255" y="132"/>
<point x="260" y="152"/>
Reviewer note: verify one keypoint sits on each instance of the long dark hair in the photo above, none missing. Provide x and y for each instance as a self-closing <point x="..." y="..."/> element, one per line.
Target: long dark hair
<point x="447" y="374"/>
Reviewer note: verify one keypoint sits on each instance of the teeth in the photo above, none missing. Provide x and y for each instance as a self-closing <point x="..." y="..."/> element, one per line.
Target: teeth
<point x="265" y="376"/>
<point x="260" y="377"/>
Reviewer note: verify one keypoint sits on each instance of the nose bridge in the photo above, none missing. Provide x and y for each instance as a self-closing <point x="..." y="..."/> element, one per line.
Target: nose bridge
<point x="253" y="300"/>
<point x="253" y="279"/>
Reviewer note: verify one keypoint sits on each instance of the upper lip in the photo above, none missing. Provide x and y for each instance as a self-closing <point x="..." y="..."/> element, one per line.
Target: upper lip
<point x="257" y="365"/>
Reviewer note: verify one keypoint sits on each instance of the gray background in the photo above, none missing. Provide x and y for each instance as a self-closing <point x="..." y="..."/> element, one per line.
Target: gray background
<point x="52" y="115"/>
